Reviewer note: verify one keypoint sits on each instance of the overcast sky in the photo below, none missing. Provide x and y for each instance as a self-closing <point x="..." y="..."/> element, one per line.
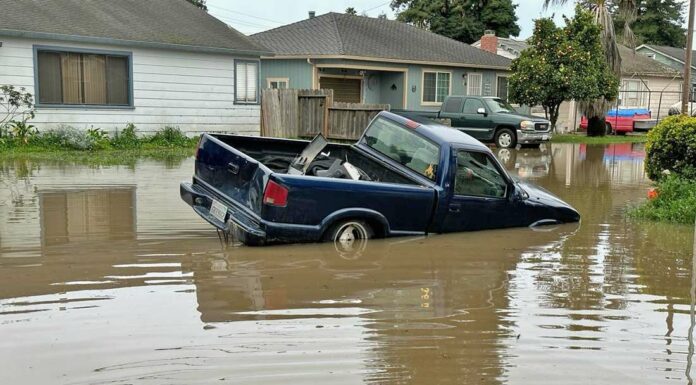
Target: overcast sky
<point x="252" y="16"/>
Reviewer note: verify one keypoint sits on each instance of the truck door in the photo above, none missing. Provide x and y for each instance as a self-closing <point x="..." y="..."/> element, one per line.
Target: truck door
<point x="477" y="124"/>
<point x="452" y="110"/>
<point x="479" y="194"/>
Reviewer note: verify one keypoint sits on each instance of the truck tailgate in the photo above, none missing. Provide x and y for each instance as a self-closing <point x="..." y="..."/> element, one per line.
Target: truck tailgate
<point x="232" y="174"/>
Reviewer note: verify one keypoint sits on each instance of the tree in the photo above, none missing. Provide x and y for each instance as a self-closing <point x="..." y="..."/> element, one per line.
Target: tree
<point x="562" y="64"/>
<point x="16" y="104"/>
<point x="351" y="11"/>
<point x="601" y="10"/>
<point x="382" y="15"/>
<point x="463" y="20"/>
<point x="199" y="3"/>
<point x="656" y="22"/>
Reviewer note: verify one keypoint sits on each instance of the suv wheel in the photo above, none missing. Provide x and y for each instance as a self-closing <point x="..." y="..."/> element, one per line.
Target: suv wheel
<point x="505" y="138"/>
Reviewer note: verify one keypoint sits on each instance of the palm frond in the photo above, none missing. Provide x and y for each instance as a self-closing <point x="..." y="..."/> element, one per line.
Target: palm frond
<point x="550" y="3"/>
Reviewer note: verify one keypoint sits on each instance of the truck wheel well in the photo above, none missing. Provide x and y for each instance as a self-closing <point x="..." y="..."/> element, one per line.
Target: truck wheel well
<point x="377" y="227"/>
<point x="504" y="126"/>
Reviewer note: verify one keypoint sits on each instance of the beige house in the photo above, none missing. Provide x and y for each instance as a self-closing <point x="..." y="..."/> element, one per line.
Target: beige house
<point x="645" y="83"/>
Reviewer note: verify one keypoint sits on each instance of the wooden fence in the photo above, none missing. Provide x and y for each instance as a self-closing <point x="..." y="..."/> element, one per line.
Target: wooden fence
<point x="290" y="113"/>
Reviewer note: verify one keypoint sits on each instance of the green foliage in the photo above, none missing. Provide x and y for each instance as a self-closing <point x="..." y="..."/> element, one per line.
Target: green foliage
<point x="657" y="22"/>
<point x="70" y="138"/>
<point x="199" y="3"/>
<point x="22" y="131"/>
<point x="462" y="20"/>
<point x="672" y="146"/>
<point x="15" y="105"/>
<point x="127" y="138"/>
<point x="170" y="137"/>
<point x="675" y="202"/>
<point x="562" y="64"/>
<point x="351" y="11"/>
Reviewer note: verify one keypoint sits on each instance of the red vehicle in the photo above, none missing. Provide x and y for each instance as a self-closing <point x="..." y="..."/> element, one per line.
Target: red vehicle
<point x="623" y="120"/>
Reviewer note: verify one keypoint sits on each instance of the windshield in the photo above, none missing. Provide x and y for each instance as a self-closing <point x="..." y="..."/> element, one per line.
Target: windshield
<point x="499" y="105"/>
<point x="404" y="146"/>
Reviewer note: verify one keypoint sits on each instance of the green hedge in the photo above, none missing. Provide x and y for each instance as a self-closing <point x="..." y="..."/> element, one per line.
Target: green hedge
<point x="672" y="146"/>
<point x="675" y="202"/>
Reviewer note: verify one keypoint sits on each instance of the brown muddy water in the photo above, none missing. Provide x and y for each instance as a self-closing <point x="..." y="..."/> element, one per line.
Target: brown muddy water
<point x="107" y="278"/>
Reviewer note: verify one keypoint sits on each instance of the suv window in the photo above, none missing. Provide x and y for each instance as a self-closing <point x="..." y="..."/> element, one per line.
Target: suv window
<point x="404" y="145"/>
<point x="472" y="105"/>
<point x="477" y="175"/>
<point x="453" y="105"/>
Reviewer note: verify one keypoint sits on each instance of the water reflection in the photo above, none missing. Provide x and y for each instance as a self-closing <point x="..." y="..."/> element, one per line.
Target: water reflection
<point x="114" y="280"/>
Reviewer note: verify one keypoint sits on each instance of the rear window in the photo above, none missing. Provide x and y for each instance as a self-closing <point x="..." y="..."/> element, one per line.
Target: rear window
<point x="404" y="146"/>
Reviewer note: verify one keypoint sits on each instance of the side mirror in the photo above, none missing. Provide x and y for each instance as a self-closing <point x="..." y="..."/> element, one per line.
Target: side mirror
<point x="481" y="111"/>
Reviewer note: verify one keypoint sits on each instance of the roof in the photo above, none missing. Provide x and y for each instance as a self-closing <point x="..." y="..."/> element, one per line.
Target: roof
<point x="513" y="46"/>
<point x="337" y="34"/>
<point x="676" y="53"/>
<point x="639" y="64"/>
<point x="171" y="24"/>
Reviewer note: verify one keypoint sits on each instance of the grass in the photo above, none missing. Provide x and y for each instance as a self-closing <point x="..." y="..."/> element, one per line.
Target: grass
<point x="609" y="139"/>
<point x="675" y="202"/>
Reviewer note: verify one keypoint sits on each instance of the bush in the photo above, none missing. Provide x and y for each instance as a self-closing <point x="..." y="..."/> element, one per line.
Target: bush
<point x="169" y="137"/>
<point x="672" y="146"/>
<point x="68" y="137"/>
<point x="675" y="202"/>
<point x="127" y="138"/>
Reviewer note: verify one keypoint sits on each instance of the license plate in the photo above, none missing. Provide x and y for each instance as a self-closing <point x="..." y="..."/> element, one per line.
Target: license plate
<point x="218" y="210"/>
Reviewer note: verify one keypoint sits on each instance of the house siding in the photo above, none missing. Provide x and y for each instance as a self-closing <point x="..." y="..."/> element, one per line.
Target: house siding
<point x="299" y="72"/>
<point x="192" y="91"/>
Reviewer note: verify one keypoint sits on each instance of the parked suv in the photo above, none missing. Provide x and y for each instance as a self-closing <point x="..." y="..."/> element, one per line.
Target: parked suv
<point x="489" y="119"/>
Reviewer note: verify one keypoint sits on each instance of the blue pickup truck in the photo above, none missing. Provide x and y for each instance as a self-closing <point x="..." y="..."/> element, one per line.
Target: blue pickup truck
<point x="401" y="178"/>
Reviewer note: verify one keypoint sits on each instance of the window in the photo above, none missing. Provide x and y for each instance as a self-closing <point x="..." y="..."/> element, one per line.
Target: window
<point x="474" y="84"/>
<point x="471" y="106"/>
<point x="436" y="86"/>
<point x="278" y="83"/>
<point x="502" y="88"/>
<point x="82" y="78"/>
<point x="633" y="93"/>
<point x="477" y="175"/>
<point x="453" y="105"/>
<point x="246" y="78"/>
<point x="404" y="146"/>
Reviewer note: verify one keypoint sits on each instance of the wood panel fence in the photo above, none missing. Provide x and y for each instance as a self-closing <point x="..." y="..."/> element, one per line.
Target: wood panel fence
<point x="291" y="113"/>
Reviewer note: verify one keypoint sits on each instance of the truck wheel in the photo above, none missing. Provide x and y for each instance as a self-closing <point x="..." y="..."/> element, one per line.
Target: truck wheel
<point x="609" y="130"/>
<point x="505" y="138"/>
<point x="349" y="236"/>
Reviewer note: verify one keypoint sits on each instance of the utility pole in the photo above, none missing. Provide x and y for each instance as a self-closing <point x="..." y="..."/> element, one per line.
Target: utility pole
<point x="686" y="91"/>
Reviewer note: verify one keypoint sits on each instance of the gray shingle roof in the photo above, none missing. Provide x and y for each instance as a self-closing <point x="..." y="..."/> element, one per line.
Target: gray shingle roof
<point x="348" y="35"/>
<point x="677" y="53"/>
<point x="174" y="24"/>
<point x="512" y="45"/>
<point x="639" y="64"/>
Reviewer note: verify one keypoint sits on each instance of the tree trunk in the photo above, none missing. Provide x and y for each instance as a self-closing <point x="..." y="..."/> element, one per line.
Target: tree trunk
<point x="596" y="126"/>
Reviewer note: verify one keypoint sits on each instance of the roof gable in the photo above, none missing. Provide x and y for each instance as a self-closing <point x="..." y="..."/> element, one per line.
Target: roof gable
<point x="360" y="36"/>
<point x="174" y="24"/>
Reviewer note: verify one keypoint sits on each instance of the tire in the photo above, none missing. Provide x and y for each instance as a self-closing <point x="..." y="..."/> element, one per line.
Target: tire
<point x="609" y="130"/>
<point x="505" y="138"/>
<point x="349" y="237"/>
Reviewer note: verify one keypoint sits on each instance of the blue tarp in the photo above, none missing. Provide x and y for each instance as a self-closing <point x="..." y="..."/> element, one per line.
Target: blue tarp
<point x="628" y="112"/>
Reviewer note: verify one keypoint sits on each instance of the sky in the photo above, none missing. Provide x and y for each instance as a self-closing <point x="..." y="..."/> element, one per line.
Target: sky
<point x="252" y="16"/>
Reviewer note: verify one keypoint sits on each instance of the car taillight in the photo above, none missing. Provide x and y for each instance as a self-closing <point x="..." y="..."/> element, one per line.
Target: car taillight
<point x="275" y="194"/>
<point x="198" y="146"/>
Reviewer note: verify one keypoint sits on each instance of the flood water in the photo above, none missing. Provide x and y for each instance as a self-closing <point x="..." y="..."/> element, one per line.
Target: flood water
<point x="106" y="277"/>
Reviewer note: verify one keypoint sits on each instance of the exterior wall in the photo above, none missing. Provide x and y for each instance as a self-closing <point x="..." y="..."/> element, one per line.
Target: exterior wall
<point x="393" y="97"/>
<point x="298" y="72"/>
<point x="192" y="91"/>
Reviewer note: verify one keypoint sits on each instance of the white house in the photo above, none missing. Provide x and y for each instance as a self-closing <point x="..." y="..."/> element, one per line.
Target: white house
<point x="105" y="63"/>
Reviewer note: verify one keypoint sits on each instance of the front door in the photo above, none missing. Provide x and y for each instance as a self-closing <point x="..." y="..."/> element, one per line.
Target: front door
<point x="479" y="195"/>
<point x="480" y="126"/>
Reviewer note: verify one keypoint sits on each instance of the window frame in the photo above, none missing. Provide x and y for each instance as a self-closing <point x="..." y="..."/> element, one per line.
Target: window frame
<point x="498" y="167"/>
<point x="258" y="82"/>
<point x="468" y="83"/>
<point x="60" y="49"/>
<point x="497" y="82"/>
<point x="422" y="93"/>
<point x="277" y="80"/>
<point x="640" y="93"/>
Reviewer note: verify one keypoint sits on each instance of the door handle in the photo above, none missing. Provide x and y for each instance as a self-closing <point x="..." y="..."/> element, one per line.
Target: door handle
<point x="233" y="168"/>
<point x="455" y="208"/>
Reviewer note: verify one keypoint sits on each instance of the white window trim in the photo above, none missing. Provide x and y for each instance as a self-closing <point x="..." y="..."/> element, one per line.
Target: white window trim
<point x="258" y="77"/>
<point x="468" y="83"/>
<point x="422" y="93"/>
<point x="642" y="95"/>
<point x="277" y="80"/>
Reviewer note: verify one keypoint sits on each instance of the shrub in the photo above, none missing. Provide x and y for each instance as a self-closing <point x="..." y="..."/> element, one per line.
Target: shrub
<point x="127" y="138"/>
<point x="169" y="137"/>
<point x="68" y="137"/>
<point x="22" y="131"/>
<point x="672" y="146"/>
<point x="675" y="202"/>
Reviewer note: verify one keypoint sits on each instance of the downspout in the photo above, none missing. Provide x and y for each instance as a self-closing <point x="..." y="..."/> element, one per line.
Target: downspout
<point x="314" y="75"/>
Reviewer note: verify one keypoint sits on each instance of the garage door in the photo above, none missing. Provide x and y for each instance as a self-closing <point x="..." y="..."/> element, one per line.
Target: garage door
<point x="345" y="90"/>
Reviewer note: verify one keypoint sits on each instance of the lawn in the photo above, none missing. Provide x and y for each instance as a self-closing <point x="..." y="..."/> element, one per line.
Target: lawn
<point x="609" y="139"/>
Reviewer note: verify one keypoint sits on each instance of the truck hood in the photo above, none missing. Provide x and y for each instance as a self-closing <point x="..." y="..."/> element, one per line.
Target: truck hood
<point x="546" y="206"/>
<point x="525" y="117"/>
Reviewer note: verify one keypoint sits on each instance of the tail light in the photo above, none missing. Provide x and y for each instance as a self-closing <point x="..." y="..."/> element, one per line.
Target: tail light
<point x="275" y="194"/>
<point x="198" y="146"/>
